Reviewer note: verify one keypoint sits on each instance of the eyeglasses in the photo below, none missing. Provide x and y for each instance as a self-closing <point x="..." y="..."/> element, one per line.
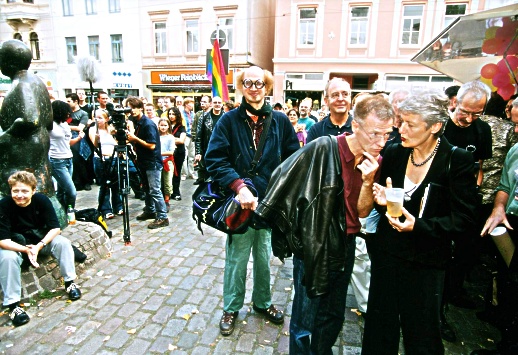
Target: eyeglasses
<point x="376" y="136"/>
<point x="339" y="94"/>
<point x="248" y="83"/>
<point x="464" y="113"/>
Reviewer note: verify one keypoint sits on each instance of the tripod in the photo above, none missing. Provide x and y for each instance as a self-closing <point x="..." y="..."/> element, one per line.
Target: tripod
<point x="119" y="163"/>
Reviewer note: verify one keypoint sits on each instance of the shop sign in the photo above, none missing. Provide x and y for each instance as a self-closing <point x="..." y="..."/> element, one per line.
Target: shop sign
<point x="184" y="77"/>
<point x="122" y="86"/>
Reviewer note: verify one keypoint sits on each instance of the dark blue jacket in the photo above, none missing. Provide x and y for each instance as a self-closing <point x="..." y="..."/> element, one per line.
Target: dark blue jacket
<point x="231" y="150"/>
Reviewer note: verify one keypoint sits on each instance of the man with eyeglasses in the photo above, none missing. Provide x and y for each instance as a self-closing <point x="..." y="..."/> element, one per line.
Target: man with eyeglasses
<point x="319" y="215"/>
<point x="228" y="159"/>
<point x="339" y="119"/>
<point x="466" y="130"/>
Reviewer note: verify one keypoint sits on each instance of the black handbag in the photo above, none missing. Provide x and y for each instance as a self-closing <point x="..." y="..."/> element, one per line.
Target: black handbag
<point x="218" y="208"/>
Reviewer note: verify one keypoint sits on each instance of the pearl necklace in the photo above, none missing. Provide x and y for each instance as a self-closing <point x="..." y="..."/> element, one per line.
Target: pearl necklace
<point x="427" y="159"/>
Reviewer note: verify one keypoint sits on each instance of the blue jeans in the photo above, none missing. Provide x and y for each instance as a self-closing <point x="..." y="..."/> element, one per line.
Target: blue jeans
<point x="62" y="170"/>
<point x="154" y="198"/>
<point x="321" y="317"/>
<point x="113" y="188"/>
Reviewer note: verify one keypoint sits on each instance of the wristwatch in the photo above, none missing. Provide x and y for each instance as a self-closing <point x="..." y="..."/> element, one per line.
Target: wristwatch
<point x="42" y="242"/>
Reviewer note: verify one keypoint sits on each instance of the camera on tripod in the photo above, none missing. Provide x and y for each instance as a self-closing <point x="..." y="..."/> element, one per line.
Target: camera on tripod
<point x="118" y="119"/>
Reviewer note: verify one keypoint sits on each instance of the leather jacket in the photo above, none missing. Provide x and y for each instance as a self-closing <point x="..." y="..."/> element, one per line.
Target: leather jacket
<point x="307" y="214"/>
<point x="204" y="129"/>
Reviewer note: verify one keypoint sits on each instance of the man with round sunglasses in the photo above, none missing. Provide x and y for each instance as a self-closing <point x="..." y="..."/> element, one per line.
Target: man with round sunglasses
<point x="232" y="147"/>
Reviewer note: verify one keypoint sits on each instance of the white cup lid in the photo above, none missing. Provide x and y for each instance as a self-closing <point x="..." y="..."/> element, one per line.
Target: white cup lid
<point x="498" y="231"/>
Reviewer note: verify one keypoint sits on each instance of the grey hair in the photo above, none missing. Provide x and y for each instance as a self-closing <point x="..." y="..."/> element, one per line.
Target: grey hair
<point x="431" y="106"/>
<point x="515" y="102"/>
<point x="397" y="91"/>
<point x="475" y="88"/>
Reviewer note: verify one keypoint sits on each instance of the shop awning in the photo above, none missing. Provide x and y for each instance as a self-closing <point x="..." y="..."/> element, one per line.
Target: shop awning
<point x="470" y="42"/>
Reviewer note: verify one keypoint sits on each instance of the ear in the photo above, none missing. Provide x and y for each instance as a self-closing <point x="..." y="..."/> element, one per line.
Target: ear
<point x="436" y="127"/>
<point x="354" y="126"/>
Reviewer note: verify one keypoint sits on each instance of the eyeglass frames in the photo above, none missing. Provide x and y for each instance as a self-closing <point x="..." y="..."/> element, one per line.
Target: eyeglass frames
<point x="376" y="136"/>
<point x="248" y="83"/>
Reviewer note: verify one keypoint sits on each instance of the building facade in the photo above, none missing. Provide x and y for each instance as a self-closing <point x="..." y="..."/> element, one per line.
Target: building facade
<point x="153" y="49"/>
<point x="368" y="43"/>
<point x="142" y="47"/>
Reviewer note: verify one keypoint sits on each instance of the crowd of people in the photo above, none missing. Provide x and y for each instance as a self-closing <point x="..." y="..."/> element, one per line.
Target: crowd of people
<point x="452" y="153"/>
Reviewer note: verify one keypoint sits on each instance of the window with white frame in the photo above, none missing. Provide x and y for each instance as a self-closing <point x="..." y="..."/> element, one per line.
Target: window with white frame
<point x="192" y="33"/>
<point x="116" y="41"/>
<point x="226" y="24"/>
<point x="160" y="37"/>
<point x="307" y="26"/>
<point x="93" y="46"/>
<point x="114" y="6"/>
<point x="71" y="49"/>
<point x="452" y="12"/>
<point x="91" y="7"/>
<point x="67" y="8"/>
<point x="35" y="46"/>
<point x="359" y="25"/>
<point x="412" y="17"/>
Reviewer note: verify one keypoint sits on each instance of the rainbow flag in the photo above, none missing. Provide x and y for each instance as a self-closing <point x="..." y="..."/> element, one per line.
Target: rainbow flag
<point x="216" y="73"/>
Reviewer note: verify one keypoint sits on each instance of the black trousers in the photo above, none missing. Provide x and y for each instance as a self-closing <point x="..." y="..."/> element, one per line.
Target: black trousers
<point x="407" y="296"/>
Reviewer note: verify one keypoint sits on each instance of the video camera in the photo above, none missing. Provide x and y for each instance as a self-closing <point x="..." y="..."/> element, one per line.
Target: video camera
<point x="118" y="119"/>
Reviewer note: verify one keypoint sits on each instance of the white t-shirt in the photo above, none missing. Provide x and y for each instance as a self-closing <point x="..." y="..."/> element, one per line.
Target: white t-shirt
<point x="60" y="141"/>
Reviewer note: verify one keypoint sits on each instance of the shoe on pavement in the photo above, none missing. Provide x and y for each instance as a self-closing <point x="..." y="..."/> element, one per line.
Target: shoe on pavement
<point x="177" y="197"/>
<point x="73" y="292"/>
<point x="159" y="223"/>
<point x="120" y="213"/>
<point x="227" y="322"/>
<point x="271" y="313"/>
<point x="184" y="177"/>
<point x="19" y="316"/>
<point x="145" y="216"/>
<point x="87" y="187"/>
<point x="447" y="332"/>
<point x="109" y="215"/>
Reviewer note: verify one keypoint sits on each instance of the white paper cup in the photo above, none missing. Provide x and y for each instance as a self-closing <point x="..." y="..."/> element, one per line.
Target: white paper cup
<point x="503" y="243"/>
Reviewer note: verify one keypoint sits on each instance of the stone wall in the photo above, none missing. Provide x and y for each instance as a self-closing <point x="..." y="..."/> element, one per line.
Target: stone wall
<point x="87" y="237"/>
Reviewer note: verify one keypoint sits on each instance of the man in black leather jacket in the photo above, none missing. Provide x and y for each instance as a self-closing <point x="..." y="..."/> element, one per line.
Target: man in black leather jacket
<point x="204" y="128"/>
<point x="316" y="218"/>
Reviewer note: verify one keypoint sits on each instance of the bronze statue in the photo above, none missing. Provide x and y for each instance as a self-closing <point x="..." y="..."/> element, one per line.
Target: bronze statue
<point x="25" y="118"/>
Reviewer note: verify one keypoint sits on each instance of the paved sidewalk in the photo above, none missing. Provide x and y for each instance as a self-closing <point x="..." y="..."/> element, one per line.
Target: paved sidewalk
<point x="163" y="294"/>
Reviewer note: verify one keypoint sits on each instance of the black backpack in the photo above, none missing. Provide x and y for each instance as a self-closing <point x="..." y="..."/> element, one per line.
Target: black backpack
<point x="94" y="216"/>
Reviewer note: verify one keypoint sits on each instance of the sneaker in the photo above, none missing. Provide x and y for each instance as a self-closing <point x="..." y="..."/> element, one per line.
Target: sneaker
<point x="177" y="197"/>
<point x="109" y="215"/>
<point x="159" y="223"/>
<point x="19" y="316"/>
<point x="145" y="216"/>
<point x="73" y="292"/>
<point x="227" y="322"/>
<point x="120" y="213"/>
<point x="184" y="177"/>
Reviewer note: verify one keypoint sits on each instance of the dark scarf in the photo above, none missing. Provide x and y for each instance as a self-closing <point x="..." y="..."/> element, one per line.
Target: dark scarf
<point x="256" y="127"/>
<point x="262" y="112"/>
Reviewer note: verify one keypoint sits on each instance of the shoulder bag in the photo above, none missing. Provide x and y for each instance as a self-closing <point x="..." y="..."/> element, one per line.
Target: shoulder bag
<point x="217" y="206"/>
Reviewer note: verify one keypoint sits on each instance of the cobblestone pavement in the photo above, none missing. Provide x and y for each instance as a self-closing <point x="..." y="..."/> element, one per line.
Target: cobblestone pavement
<point x="163" y="294"/>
